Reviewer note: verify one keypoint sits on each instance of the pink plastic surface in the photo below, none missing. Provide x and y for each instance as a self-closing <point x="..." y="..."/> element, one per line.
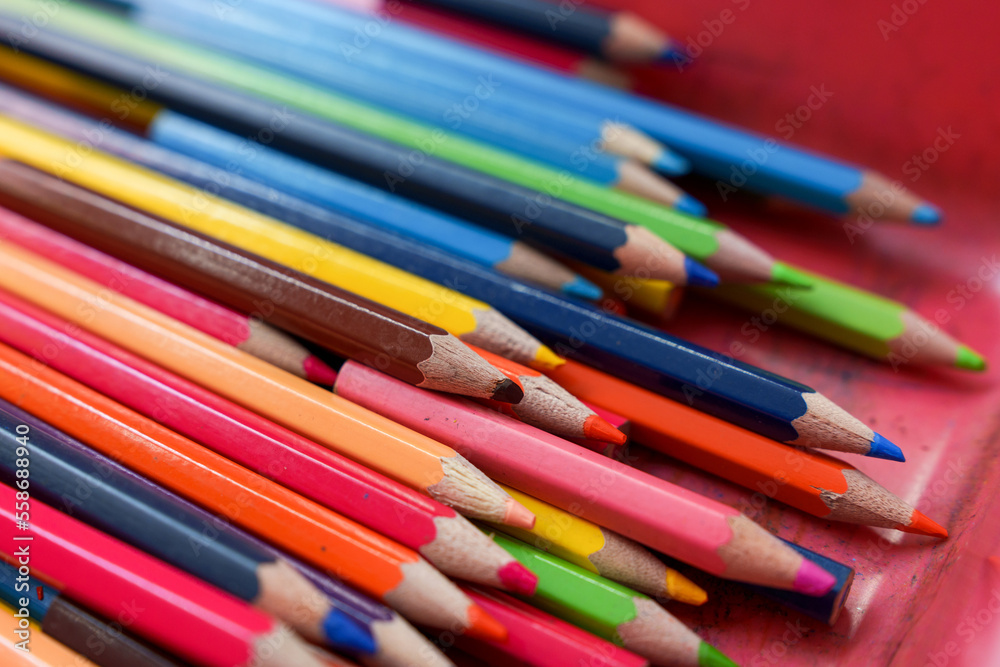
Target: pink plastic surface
<point x="915" y="601"/>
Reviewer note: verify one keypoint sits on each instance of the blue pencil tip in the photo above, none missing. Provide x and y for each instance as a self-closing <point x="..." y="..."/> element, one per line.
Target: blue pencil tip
<point x="698" y="275"/>
<point x="582" y="289"/>
<point x="925" y="214"/>
<point x="671" y="164"/>
<point x="691" y="206"/>
<point x="881" y="448"/>
<point x="675" y="54"/>
<point x="345" y="634"/>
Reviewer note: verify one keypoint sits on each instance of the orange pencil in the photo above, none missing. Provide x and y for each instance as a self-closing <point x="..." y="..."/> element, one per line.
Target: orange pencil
<point x="359" y="556"/>
<point x="548" y="406"/>
<point x="315" y="413"/>
<point x="807" y="479"/>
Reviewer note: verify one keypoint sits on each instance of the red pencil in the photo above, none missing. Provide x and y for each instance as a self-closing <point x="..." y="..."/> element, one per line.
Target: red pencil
<point x="169" y="607"/>
<point x="440" y="534"/>
<point x="247" y="333"/>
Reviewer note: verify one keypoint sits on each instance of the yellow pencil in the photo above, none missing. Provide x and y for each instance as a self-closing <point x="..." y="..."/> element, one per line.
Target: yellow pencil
<point x="601" y="551"/>
<point x="659" y="298"/>
<point x="469" y="319"/>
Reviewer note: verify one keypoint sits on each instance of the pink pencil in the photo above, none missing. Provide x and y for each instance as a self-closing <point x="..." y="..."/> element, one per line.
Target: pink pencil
<point x="169" y="607"/>
<point x="247" y="333"/>
<point x="541" y="640"/>
<point x="660" y="515"/>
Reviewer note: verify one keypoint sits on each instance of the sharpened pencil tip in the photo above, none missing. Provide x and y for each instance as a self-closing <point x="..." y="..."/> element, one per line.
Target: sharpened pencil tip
<point x="674" y="53"/>
<point x="690" y="205"/>
<point x="813" y="580"/>
<point x="698" y="275"/>
<point x="344" y="634"/>
<point x="507" y="391"/>
<point x="671" y="164"/>
<point x="483" y="626"/>
<point x="969" y="359"/>
<point x="882" y="448"/>
<point x="682" y="589"/>
<point x="596" y="427"/>
<point x="921" y="524"/>
<point x="582" y="289"/>
<point x="709" y="656"/>
<point x="546" y="359"/>
<point x="518" y="516"/>
<point x="516" y="578"/>
<point x="318" y="372"/>
<point x="925" y="214"/>
<point x="782" y="274"/>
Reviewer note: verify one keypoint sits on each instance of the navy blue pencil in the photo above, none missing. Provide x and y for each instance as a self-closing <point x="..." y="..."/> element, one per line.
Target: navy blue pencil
<point x="78" y="628"/>
<point x="78" y="480"/>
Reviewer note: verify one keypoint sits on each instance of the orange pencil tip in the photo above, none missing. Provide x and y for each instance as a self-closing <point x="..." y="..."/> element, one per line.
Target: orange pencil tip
<point x="483" y="626"/>
<point x="920" y="524"/>
<point x="518" y="516"/>
<point x="598" y="428"/>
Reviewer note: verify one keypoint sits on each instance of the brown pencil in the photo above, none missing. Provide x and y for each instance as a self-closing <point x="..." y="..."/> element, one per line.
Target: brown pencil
<point x="351" y="326"/>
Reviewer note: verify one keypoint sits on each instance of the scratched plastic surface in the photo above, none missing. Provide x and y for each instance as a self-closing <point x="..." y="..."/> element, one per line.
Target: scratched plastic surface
<point x="914" y="601"/>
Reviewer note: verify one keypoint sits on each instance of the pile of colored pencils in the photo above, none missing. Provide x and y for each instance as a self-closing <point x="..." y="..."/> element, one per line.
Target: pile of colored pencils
<point x="312" y="332"/>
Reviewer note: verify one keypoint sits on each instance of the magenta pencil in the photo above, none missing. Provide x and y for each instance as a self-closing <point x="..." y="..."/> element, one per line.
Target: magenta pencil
<point x="247" y="333"/>
<point x="684" y="525"/>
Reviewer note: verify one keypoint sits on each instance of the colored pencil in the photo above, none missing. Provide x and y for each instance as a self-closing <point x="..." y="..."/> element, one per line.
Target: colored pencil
<point x="360" y="557"/>
<point x="368" y="204"/>
<point x="810" y="480"/>
<point x="76" y="628"/>
<point x="658" y="299"/>
<point x="142" y="514"/>
<point x="601" y="551"/>
<point x="440" y="179"/>
<point x="537" y="138"/>
<point x="536" y="638"/>
<point x="548" y="406"/>
<point x="753" y="398"/>
<point x="501" y="40"/>
<point x="612" y="611"/>
<point x="42" y="650"/>
<point x="471" y="320"/>
<point x="686" y="526"/>
<point x="405" y="347"/>
<point x="180" y="613"/>
<point x="231" y="326"/>
<point x="857" y="320"/>
<point x="445" y="538"/>
<point x="619" y="36"/>
<point x="735" y="158"/>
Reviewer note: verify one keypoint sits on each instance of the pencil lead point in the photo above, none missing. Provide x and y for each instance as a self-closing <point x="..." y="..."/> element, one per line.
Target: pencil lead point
<point x="343" y="633"/>
<point x="597" y="428"/>
<point x="507" y="391"/>
<point x="698" y="275"/>
<point x="318" y="372"/>
<point x="709" y="656"/>
<point x="969" y="359"/>
<point x="782" y="274"/>
<point x="516" y="578"/>
<point x="921" y="524"/>
<point x="682" y="589"/>
<point x="546" y="359"/>
<point x="582" y="288"/>
<point x="882" y="448"/>
<point x="483" y="626"/>
<point x="518" y="516"/>
<point x="925" y="214"/>
<point x="691" y="206"/>
<point x="671" y="164"/>
<point x="813" y="580"/>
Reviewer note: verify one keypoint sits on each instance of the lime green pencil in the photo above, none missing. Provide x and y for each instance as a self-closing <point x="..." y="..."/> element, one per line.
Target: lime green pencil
<point x="861" y="321"/>
<point x="610" y="610"/>
<point x="727" y="253"/>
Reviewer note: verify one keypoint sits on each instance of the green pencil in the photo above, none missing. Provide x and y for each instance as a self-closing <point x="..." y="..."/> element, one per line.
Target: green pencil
<point x="733" y="257"/>
<point x="855" y="319"/>
<point x="610" y="610"/>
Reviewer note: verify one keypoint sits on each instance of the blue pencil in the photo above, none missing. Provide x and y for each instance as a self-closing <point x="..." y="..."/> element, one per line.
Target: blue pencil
<point x="734" y="157"/>
<point x="70" y="476"/>
<point x="75" y="627"/>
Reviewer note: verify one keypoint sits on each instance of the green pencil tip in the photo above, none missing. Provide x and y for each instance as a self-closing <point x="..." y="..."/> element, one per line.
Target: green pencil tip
<point x="969" y="360"/>
<point x="709" y="656"/>
<point x="782" y="274"/>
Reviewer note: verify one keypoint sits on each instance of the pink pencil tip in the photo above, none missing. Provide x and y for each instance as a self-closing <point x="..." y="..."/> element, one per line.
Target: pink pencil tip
<point x="813" y="580"/>
<point x="516" y="578"/>
<point x="318" y="371"/>
<point x="518" y="516"/>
